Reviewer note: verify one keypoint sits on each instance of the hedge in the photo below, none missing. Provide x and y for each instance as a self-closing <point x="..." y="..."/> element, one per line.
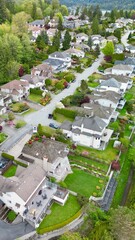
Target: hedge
<point x="20" y="163"/>
<point x="7" y="156"/>
<point x="66" y="112"/>
<point x="36" y="91"/>
<point x="59" y="225"/>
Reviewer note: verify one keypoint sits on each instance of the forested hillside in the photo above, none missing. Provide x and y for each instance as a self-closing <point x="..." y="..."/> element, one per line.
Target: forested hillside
<point x="106" y="4"/>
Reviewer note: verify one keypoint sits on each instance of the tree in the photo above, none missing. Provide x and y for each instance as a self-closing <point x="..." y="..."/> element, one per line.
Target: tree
<point x="19" y="23"/>
<point x="60" y="25"/>
<point x="3" y="11"/>
<point x="66" y="41"/>
<point x="11" y="116"/>
<point x="56" y="41"/>
<point x="84" y="86"/>
<point x="108" y="50"/>
<point x="55" y="4"/>
<point x="95" y="25"/>
<point x="72" y="236"/>
<point x="34" y="11"/>
<point x="117" y="33"/>
<point x="64" y="10"/>
<point x="125" y="142"/>
<point x="122" y="223"/>
<point x="131" y="155"/>
<point x="40" y="129"/>
<point x="90" y="42"/>
<point x="97" y="50"/>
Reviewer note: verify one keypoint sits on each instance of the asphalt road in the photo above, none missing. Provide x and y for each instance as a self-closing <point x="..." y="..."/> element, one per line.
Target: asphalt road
<point x="41" y="116"/>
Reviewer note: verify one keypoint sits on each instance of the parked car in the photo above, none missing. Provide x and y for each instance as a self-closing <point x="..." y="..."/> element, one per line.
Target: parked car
<point x="35" y="129"/>
<point x="53" y="125"/>
<point x="50" y="116"/>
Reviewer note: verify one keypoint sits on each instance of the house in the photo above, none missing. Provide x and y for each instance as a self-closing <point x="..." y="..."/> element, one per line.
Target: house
<point x="51" y="156"/>
<point x="5" y="100"/>
<point x="129" y="61"/>
<point x="126" y="82"/>
<point x="107" y="114"/>
<point x="29" y="193"/>
<point x="130" y="48"/>
<point x="53" y="23"/>
<point x="98" y="40"/>
<point x="42" y="70"/>
<point x="68" y="24"/>
<point x="88" y="131"/>
<point x="119" y="48"/>
<point x="34" y="80"/>
<point x="64" y="57"/>
<point x="112" y="38"/>
<point x="34" y="30"/>
<point x="81" y="37"/>
<point x="75" y="52"/>
<point x="51" y="32"/>
<point x="18" y="89"/>
<point x="108" y="99"/>
<point x="121" y="69"/>
<point x="56" y="65"/>
<point x="81" y="46"/>
<point x="109" y="85"/>
<point x="38" y="23"/>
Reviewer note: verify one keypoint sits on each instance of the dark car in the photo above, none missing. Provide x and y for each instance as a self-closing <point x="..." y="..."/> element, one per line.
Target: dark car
<point x="53" y="125"/>
<point x="50" y="116"/>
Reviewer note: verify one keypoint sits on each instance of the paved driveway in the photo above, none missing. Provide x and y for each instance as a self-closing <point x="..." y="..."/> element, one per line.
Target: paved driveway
<point x="12" y="232"/>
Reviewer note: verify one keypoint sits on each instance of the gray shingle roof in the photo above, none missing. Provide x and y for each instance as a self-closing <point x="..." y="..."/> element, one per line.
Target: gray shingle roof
<point x="112" y="82"/>
<point x="59" y="55"/>
<point x="93" y="123"/>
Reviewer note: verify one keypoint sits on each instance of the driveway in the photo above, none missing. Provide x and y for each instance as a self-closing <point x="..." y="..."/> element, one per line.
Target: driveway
<point x="12" y="232"/>
<point x="41" y="116"/>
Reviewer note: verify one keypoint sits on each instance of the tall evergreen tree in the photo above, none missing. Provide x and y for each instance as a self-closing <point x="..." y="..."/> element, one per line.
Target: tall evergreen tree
<point x="34" y="11"/>
<point x="60" y="26"/>
<point x="95" y="26"/>
<point x="56" y="41"/>
<point x="66" y="41"/>
<point x="3" y="11"/>
<point x="90" y="42"/>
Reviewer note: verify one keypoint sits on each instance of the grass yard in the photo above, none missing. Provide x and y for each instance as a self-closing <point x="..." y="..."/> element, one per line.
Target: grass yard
<point x="11" y="171"/>
<point x="3" y="137"/>
<point x="99" y="165"/>
<point x="108" y="155"/>
<point x="61" y="118"/>
<point x="34" y="98"/>
<point x="31" y="110"/>
<point x="82" y="182"/>
<point x="11" y="216"/>
<point x="19" y="107"/>
<point x="48" y="130"/>
<point x="60" y="213"/>
<point x="93" y="84"/>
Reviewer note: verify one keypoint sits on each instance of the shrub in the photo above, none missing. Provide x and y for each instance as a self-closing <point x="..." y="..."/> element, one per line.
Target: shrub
<point x="11" y="216"/>
<point x="20" y="124"/>
<point x="36" y="91"/>
<point x="7" y="156"/>
<point x="66" y="112"/>
<point x="20" y="163"/>
<point x="69" y="77"/>
<point x="48" y="82"/>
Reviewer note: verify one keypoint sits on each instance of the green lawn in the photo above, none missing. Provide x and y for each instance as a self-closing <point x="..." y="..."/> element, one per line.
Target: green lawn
<point x="48" y="130"/>
<point x="82" y="182"/>
<point x="3" y="137"/>
<point x="11" y="216"/>
<point x="34" y="98"/>
<point x="128" y="96"/>
<point x="31" y="110"/>
<point x="10" y="172"/>
<point x="93" y="84"/>
<point x="61" y="118"/>
<point x="60" y="213"/>
<point x="19" y="107"/>
<point x="108" y="155"/>
<point x="88" y="161"/>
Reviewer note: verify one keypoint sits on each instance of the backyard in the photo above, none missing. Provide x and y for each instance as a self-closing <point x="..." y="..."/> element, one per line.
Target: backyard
<point x="11" y="171"/>
<point x="19" y="107"/>
<point x="84" y="183"/>
<point x="107" y="155"/>
<point x="34" y="97"/>
<point x="59" y="213"/>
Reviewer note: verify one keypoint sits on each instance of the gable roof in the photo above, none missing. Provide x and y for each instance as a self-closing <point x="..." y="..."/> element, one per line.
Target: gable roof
<point x="49" y="149"/>
<point x="33" y="79"/>
<point x="15" y="84"/>
<point x="122" y="67"/>
<point x="59" y="55"/>
<point x="25" y="184"/>
<point x="109" y="95"/>
<point x="93" y="123"/>
<point x="112" y="82"/>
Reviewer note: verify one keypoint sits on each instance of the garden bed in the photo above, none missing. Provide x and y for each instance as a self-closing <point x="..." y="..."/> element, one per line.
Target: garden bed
<point x="19" y="107"/>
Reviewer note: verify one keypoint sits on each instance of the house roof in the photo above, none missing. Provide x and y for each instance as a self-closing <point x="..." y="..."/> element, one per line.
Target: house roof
<point x="15" y="84"/>
<point x="112" y="82"/>
<point x="49" y="149"/>
<point x="81" y="35"/>
<point x="119" y="78"/>
<point x="66" y="125"/>
<point x="112" y="38"/>
<point x="122" y="67"/>
<point x="119" y="46"/>
<point x="25" y="184"/>
<point x="33" y="79"/>
<point x="54" y="62"/>
<point x="73" y="51"/>
<point x="38" y="22"/>
<point x="59" y="55"/>
<point x="93" y="123"/>
<point x="43" y="68"/>
<point x="108" y="95"/>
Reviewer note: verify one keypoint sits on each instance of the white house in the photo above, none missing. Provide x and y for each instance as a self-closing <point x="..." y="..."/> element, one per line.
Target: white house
<point x="34" y="80"/>
<point x="64" y="57"/>
<point x="51" y="156"/>
<point x="75" y="52"/>
<point x="35" y="31"/>
<point x="17" y="89"/>
<point x="29" y="193"/>
<point x="121" y="69"/>
<point x="81" y="37"/>
<point x="88" y="131"/>
<point x="109" y="85"/>
<point x="119" y="48"/>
